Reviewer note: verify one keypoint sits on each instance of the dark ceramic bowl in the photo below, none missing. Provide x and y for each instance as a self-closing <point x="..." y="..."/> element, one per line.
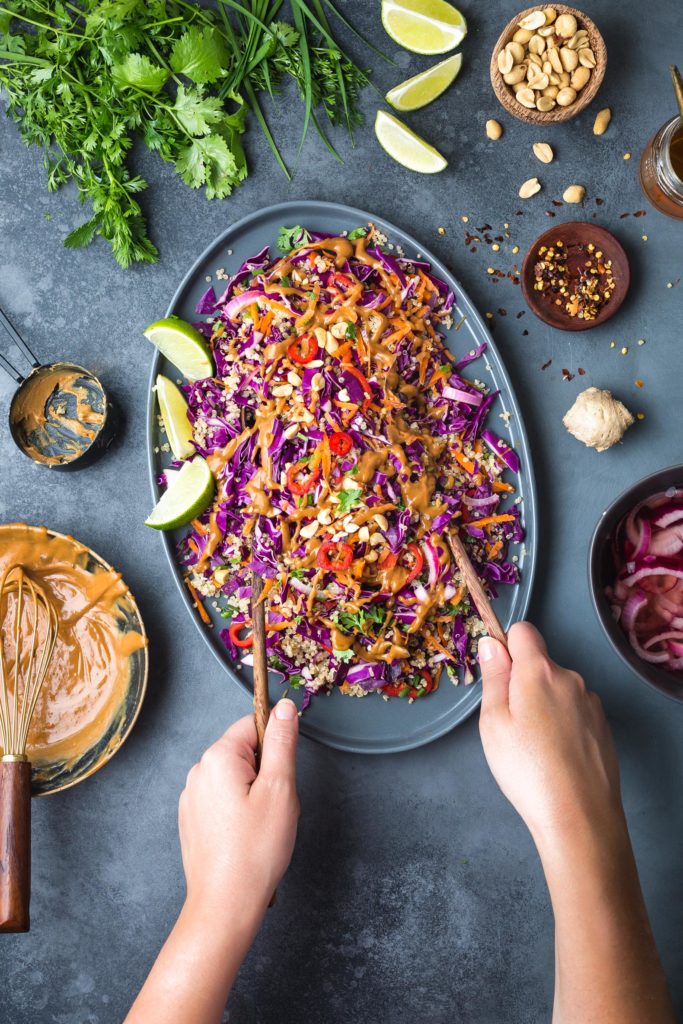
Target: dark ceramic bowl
<point x="601" y="574"/>
<point x="573" y="233"/>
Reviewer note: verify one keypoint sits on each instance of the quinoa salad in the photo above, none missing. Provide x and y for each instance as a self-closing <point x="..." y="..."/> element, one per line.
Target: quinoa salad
<point x="345" y="443"/>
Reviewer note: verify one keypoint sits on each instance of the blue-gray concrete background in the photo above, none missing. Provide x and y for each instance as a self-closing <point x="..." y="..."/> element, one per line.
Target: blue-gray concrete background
<point x="415" y="893"/>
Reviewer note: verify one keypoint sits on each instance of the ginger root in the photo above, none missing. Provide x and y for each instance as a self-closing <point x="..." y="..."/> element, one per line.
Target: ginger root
<point x="598" y="419"/>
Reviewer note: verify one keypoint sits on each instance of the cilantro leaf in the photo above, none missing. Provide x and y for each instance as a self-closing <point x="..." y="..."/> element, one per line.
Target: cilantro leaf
<point x="208" y="161"/>
<point x="350" y="330"/>
<point x="138" y="71"/>
<point x="348" y="499"/>
<point x="357" y="233"/>
<point x="290" y="238"/>
<point x="197" y="113"/>
<point x="200" y="54"/>
<point x="343" y="655"/>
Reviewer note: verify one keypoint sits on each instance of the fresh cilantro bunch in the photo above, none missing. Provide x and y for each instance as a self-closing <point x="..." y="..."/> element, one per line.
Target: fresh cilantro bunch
<point x="84" y="79"/>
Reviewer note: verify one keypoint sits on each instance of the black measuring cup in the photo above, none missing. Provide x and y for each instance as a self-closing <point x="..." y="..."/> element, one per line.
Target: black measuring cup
<point x="60" y="415"/>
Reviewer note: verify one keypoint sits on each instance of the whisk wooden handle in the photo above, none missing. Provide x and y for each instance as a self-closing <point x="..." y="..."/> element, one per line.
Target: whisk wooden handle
<point x="15" y="845"/>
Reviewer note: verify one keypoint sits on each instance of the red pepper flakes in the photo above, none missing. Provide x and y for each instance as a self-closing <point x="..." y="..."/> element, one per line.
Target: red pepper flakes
<point x="581" y="372"/>
<point x="546" y="365"/>
<point x="566" y="375"/>
<point x="640" y="383"/>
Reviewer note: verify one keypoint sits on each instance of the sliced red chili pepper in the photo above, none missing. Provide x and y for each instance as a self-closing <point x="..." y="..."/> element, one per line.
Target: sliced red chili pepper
<point x="234" y="634"/>
<point x="301" y="486"/>
<point x="341" y="443"/>
<point x="334" y="557"/>
<point x="391" y="559"/>
<point x="419" y="562"/>
<point x="341" y="279"/>
<point x="392" y="690"/>
<point x="422" y="691"/>
<point x="304" y="349"/>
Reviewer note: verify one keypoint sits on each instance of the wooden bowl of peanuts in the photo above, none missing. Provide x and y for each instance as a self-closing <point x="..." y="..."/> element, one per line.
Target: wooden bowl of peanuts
<point x="548" y="64"/>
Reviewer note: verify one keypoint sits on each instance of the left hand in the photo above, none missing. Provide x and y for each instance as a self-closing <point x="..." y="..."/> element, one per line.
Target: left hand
<point x="237" y="827"/>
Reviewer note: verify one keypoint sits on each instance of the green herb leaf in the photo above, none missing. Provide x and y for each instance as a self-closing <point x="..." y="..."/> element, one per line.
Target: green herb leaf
<point x="357" y="233"/>
<point x="197" y="113"/>
<point x="290" y="238"/>
<point x="138" y="71"/>
<point x="83" y="235"/>
<point x="342" y="656"/>
<point x="200" y="54"/>
<point x="348" y="499"/>
<point x="350" y="330"/>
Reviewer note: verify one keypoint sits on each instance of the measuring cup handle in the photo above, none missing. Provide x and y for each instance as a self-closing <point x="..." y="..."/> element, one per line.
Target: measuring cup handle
<point x="15" y="845"/>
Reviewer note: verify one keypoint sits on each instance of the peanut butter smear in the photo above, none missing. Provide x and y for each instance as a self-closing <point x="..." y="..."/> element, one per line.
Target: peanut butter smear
<point x="57" y="413"/>
<point x="88" y="677"/>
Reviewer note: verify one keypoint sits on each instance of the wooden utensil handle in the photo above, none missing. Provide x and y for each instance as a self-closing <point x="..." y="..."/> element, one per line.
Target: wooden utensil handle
<point x="15" y="845"/>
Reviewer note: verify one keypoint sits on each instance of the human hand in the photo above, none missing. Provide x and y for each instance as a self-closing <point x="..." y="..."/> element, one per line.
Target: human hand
<point x="237" y="827"/>
<point x="546" y="738"/>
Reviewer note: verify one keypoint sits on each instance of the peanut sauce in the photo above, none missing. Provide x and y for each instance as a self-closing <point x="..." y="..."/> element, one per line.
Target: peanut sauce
<point x="57" y="413"/>
<point x="89" y="674"/>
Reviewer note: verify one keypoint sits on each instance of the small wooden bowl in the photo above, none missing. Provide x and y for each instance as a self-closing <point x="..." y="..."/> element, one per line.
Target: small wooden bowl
<point x="573" y="233"/>
<point x="558" y="114"/>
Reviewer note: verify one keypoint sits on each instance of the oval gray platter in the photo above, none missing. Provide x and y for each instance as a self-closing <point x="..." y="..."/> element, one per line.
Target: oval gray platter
<point x="369" y="725"/>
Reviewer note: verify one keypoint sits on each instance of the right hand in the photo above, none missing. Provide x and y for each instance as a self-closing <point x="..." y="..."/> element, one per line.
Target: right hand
<point x="546" y="738"/>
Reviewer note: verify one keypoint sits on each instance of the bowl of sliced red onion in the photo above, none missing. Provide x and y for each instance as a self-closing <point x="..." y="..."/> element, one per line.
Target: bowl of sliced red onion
<point x="635" y="566"/>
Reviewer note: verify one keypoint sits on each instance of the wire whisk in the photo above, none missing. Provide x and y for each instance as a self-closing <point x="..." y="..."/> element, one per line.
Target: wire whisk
<point x="28" y="633"/>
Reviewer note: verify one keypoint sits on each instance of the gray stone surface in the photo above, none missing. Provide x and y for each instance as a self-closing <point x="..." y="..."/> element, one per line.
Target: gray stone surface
<point x="415" y="892"/>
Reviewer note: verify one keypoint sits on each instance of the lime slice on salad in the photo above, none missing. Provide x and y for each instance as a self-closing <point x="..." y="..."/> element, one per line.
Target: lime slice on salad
<point x="173" y="409"/>
<point x="424" y="26"/>
<point x="183" y="345"/>
<point x="405" y="146"/>
<point x="188" y="494"/>
<point x="421" y="89"/>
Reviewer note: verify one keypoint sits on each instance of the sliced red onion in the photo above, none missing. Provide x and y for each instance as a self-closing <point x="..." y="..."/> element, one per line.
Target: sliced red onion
<point x="421" y="594"/>
<point x="644" y="538"/>
<point x="299" y="585"/>
<point x="655" y="659"/>
<point x="635" y="603"/>
<point x="432" y="560"/>
<point x="456" y="395"/>
<point x="658" y="567"/>
<point x="667" y="541"/>
<point x="667" y="515"/>
<point x="660" y="638"/>
<point x="492" y="499"/>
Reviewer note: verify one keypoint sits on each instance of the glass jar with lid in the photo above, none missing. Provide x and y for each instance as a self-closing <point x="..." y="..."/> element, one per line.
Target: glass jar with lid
<point x="661" y="169"/>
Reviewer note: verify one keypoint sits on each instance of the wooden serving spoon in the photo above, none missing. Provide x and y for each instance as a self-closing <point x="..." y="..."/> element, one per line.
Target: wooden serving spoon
<point x="260" y="667"/>
<point x="476" y="590"/>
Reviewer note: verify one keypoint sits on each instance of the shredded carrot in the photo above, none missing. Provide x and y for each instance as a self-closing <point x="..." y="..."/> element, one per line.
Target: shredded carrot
<point x="266" y="322"/>
<point x="489" y="520"/>
<point x="493" y="549"/>
<point x="500" y="485"/>
<point x="431" y="641"/>
<point x="466" y="463"/>
<point x="203" y="614"/>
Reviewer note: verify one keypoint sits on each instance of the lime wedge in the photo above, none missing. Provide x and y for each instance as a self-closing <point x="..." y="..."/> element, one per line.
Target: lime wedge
<point x="183" y="345"/>
<point x="421" y="89"/>
<point x="173" y="409"/>
<point x="187" y="496"/>
<point x="405" y="146"/>
<point x="424" y="26"/>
